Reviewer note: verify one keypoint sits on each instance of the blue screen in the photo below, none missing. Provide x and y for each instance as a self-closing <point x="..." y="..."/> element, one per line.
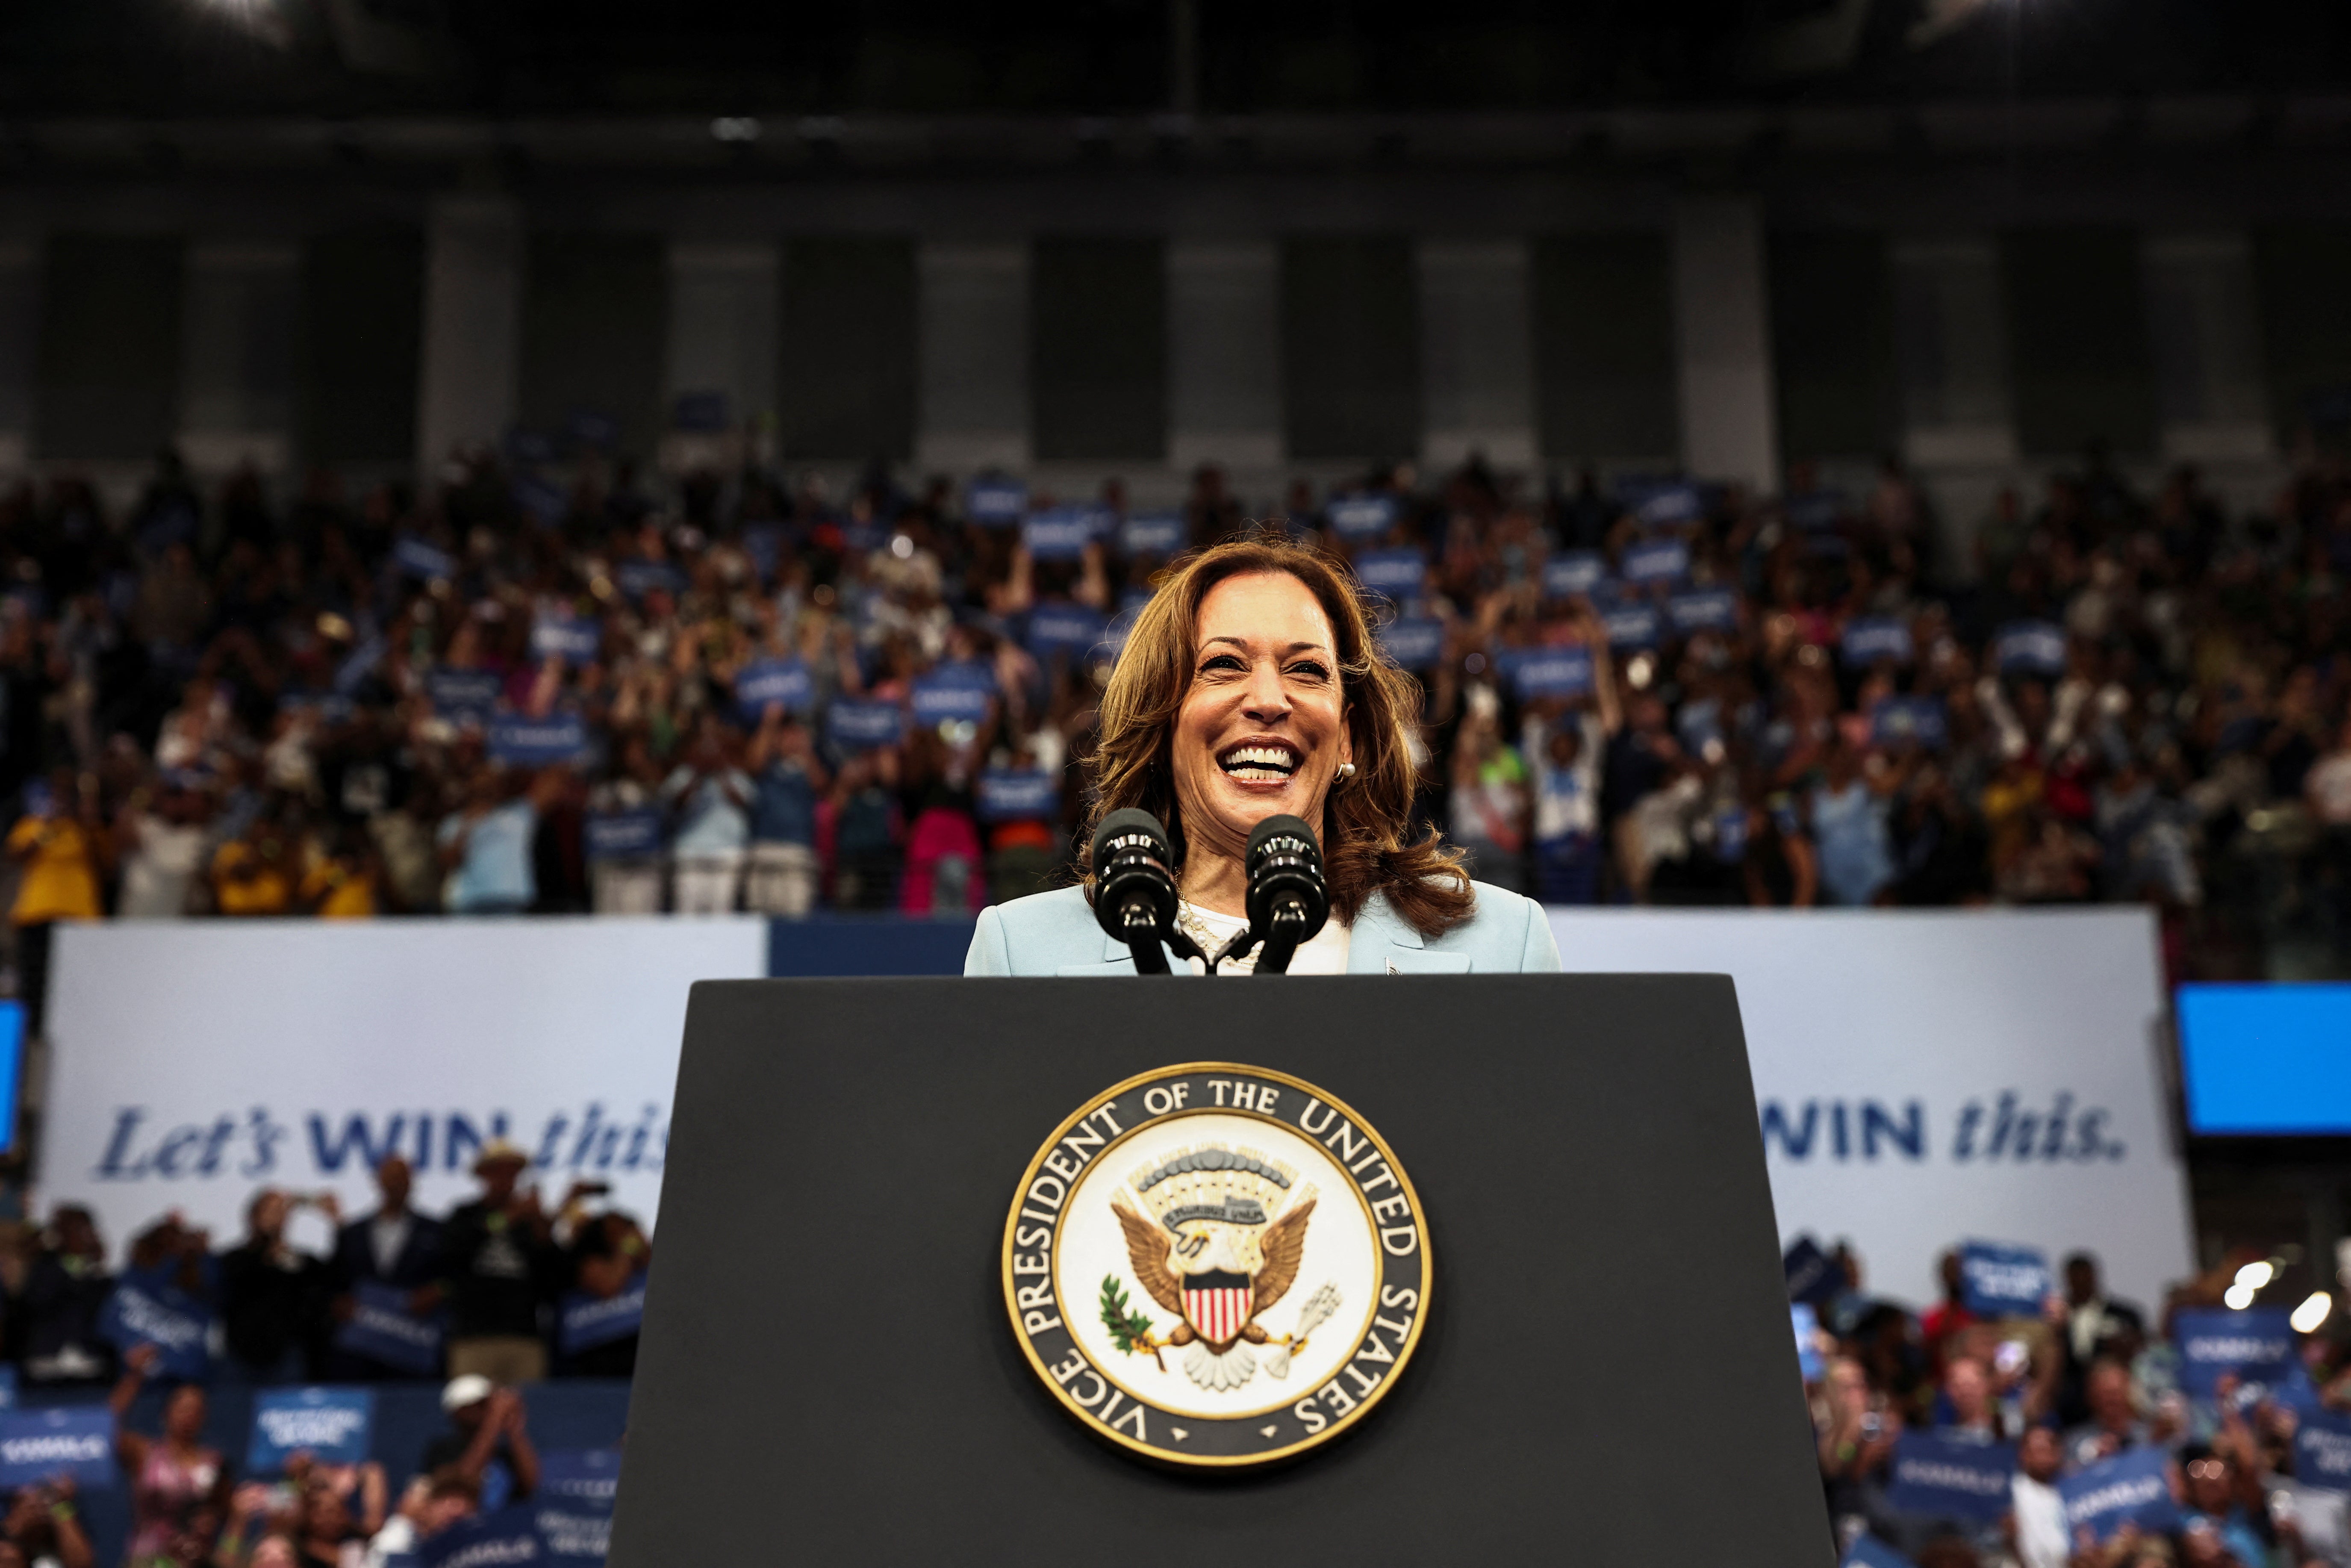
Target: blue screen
<point x="2266" y="1058"/>
<point x="12" y="1070"/>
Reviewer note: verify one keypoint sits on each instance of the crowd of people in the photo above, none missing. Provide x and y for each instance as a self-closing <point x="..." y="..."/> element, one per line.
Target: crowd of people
<point x="2087" y="1381"/>
<point x="501" y="693"/>
<point x="498" y="1294"/>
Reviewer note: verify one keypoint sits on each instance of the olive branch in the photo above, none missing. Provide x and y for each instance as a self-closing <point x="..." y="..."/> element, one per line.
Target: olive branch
<point x="1129" y="1331"/>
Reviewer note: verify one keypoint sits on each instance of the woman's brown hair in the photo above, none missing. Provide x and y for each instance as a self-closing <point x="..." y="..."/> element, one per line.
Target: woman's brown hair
<point x="1364" y="818"/>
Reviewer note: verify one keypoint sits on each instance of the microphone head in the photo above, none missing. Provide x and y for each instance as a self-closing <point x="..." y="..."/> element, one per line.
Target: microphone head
<point x="1130" y="824"/>
<point x="1283" y="834"/>
<point x="1286" y="895"/>
<point x="1135" y="890"/>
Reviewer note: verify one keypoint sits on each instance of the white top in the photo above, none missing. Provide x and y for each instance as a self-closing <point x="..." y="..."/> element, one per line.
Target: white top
<point x="1325" y="954"/>
<point x="2040" y="1522"/>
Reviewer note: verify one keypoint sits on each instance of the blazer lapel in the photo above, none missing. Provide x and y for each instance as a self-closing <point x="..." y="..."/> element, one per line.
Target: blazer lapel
<point x="1383" y="943"/>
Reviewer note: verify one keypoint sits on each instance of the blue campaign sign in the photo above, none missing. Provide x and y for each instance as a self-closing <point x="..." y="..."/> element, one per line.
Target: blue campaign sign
<point x="2322" y="1450"/>
<point x="566" y="637"/>
<point x="1813" y="1275"/>
<point x="1910" y="721"/>
<point x="1703" y="609"/>
<point x="590" y="1476"/>
<point x="938" y="696"/>
<point x="383" y="1329"/>
<point x="1671" y="506"/>
<point x="174" y="1323"/>
<point x="1656" y="560"/>
<point x="1064" y="629"/>
<point x="1152" y="533"/>
<point x="520" y="742"/>
<point x="1551" y="672"/>
<point x="766" y="681"/>
<point x="539" y="498"/>
<point x="1398" y="573"/>
<point x="463" y="695"/>
<point x="41" y="1445"/>
<point x="1575" y="572"/>
<point x="1807" y="1324"/>
<point x="1415" y="641"/>
<point x="1868" y="1551"/>
<point x="2004" y="1281"/>
<point x="593" y="428"/>
<point x="639" y="577"/>
<point x="584" y="1322"/>
<point x="1361" y="517"/>
<point x="2256" y="1345"/>
<point x="700" y="413"/>
<point x="330" y="1425"/>
<point x="1871" y="638"/>
<point x="1632" y="625"/>
<point x="2133" y="1488"/>
<point x="2029" y="647"/>
<point x="860" y="726"/>
<point x="1935" y="1475"/>
<point x="1060" y="533"/>
<point x="1009" y="795"/>
<point x="996" y="503"/>
<point x="496" y="1539"/>
<point x="1816" y="510"/>
<point x="624" y="835"/>
<point x="574" y="1503"/>
<point x="417" y="558"/>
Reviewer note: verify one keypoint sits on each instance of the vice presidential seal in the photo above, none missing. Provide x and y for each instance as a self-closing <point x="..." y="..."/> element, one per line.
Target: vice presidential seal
<point x="1217" y="1265"/>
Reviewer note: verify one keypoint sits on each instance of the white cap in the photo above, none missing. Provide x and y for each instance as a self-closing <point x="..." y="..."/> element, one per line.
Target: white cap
<point x="470" y="1389"/>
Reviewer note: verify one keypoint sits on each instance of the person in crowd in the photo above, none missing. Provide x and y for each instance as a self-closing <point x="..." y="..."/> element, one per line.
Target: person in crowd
<point x="395" y="1247"/>
<point x="625" y="869"/>
<point x="1563" y="754"/>
<point x="1490" y="804"/>
<point x="273" y="1295"/>
<point x="2036" y="1518"/>
<point x="433" y="1502"/>
<point x="709" y="801"/>
<point x="609" y="1255"/>
<point x="2226" y="1499"/>
<point x="497" y="1266"/>
<point x="1948" y="1318"/>
<point x="486" y="1444"/>
<point x="1779" y="869"/>
<point x="1966" y="1408"/>
<point x="2112" y="1423"/>
<point x="330" y="1531"/>
<point x="787" y="778"/>
<point x="868" y="830"/>
<point x="253" y="870"/>
<point x="484" y="846"/>
<point x="179" y="1488"/>
<point x="43" y="1525"/>
<point x="162" y="836"/>
<point x="65" y="1287"/>
<point x="344" y="876"/>
<point x="1856" y="1428"/>
<point x="1848" y="817"/>
<point x="2093" y="1326"/>
<point x="59" y="847"/>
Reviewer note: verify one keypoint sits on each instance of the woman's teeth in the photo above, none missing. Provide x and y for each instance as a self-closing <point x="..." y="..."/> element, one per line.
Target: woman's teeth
<point x="1260" y="762"/>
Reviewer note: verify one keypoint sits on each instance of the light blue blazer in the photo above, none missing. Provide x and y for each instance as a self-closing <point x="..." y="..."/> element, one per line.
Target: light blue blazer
<point x="1055" y="933"/>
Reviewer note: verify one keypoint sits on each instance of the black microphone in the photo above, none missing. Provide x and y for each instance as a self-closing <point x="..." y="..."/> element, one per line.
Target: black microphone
<point x="1134" y="891"/>
<point x="1288" y="902"/>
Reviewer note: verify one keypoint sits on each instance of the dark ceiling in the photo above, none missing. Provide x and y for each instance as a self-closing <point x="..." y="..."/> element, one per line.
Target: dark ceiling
<point x="209" y="57"/>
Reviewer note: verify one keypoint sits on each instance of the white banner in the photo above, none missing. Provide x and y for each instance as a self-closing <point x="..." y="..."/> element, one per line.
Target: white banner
<point x="1928" y="1078"/>
<point x="196" y="1063"/>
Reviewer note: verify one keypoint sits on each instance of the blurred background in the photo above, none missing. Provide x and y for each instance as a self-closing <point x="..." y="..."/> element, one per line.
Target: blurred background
<point x="508" y="510"/>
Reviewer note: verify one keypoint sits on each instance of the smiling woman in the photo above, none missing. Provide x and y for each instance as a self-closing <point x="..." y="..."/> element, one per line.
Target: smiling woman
<point x="1251" y="687"/>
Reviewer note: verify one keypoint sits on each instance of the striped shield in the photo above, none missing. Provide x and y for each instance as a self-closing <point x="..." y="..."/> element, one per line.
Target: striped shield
<point x="1218" y="1304"/>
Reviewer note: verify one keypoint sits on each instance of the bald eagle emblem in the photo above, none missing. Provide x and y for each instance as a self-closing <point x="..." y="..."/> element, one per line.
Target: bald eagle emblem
<point x="1214" y="1236"/>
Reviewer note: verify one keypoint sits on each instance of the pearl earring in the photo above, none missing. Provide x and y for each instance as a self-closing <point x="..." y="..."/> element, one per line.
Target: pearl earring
<point x="1347" y="770"/>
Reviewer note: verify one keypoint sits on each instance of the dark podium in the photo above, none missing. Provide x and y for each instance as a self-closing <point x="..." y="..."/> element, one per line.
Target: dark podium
<point x="1606" y="1375"/>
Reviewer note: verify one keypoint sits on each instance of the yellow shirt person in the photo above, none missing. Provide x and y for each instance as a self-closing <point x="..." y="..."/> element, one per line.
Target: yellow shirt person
<point x="60" y="880"/>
